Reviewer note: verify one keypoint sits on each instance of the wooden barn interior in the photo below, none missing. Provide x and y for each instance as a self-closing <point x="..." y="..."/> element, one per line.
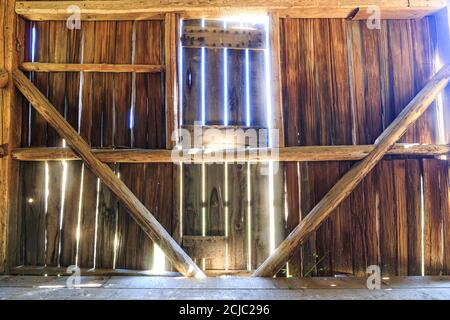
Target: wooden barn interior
<point x="100" y="104"/>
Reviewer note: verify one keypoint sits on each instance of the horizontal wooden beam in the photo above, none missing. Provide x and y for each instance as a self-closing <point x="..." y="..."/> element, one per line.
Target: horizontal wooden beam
<point x="342" y="189"/>
<point x="147" y="9"/>
<point x="91" y="67"/>
<point x="143" y="217"/>
<point x="313" y="153"/>
<point x="4" y="77"/>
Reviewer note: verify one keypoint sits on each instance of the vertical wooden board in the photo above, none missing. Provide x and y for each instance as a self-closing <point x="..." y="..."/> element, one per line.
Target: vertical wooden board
<point x="33" y="210"/>
<point x="87" y="101"/>
<point x="57" y="80"/>
<point x="359" y="223"/>
<point x="191" y="86"/>
<point x="88" y="219"/>
<point x="367" y="88"/>
<point x="159" y="177"/>
<point x="70" y="213"/>
<point x="387" y="218"/>
<point x="53" y="214"/>
<point x="320" y="184"/>
<point x="215" y="212"/>
<point x="214" y="78"/>
<point x="308" y="250"/>
<point x="291" y="77"/>
<point x="341" y="225"/>
<point x="105" y="41"/>
<point x="237" y="217"/>
<point x="214" y="88"/>
<point x="192" y="82"/>
<point x="294" y="213"/>
<point x="149" y="110"/>
<point x="323" y="85"/>
<point x="74" y="53"/>
<point x="413" y="174"/>
<point x="433" y="219"/>
<point x="260" y="215"/>
<point x="371" y="219"/>
<point x="423" y="48"/>
<point x="279" y="203"/>
<point x="133" y="176"/>
<point x="445" y="200"/>
<point x="341" y="131"/>
<point x="106" y="230"/>
<point x="401" y="64"/>
<point x="236" y="108"/>
<point x="309" y="135"/>
<point x="155" y="116"/>
<point x="215" y="193"/>
<point x="192" y="200"/>
<point x="398" y="168"/>
<point x="122" y="85"/>
<point x="257" y="88"/>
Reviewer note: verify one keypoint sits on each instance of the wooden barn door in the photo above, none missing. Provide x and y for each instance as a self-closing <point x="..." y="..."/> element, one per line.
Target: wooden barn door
<point x="231" y="216"/>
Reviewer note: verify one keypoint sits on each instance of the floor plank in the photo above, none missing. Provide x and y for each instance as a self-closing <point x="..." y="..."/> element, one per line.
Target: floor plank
<point x="228" y="288"/>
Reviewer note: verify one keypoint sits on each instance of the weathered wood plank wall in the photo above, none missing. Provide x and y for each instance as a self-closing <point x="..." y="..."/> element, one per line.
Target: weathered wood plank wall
<point x="343" y="84"/>
<point x="68" y="216"/>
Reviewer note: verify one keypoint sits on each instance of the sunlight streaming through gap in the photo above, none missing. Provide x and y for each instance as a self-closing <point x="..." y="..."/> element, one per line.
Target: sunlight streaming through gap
<point x="47" y="193"/>
<point x="80" y="208"/>
<point x="97" y="202"/>
<point x="159" y="259"/>
<point x="63" y="198"/>
<point x="422" y="226"/>
<point x="203" y="93"/>
<point x="247" y="89"/>
<point x="225" y="82"/>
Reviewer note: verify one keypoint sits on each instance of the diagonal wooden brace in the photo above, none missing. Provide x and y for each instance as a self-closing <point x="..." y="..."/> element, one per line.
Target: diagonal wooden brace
<point x="181" y="261"/>
<point x="355" y="175"/>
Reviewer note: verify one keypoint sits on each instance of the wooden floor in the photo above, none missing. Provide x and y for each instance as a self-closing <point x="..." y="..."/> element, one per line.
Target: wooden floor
<point x="36" y="287"/>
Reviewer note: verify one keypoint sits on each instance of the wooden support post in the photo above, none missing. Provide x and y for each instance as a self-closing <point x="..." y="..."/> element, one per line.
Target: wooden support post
<point x="181" y="261"/>
<point x="275" y="62"/>
<point x="3" y="79"/>
<point x="10" y="129"/>
<point x="354" y="176"/>
<point x="171" y="94"/>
